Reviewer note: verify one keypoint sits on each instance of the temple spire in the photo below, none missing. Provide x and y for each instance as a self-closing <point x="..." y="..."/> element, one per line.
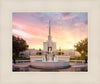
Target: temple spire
<point x="49" y="27"/>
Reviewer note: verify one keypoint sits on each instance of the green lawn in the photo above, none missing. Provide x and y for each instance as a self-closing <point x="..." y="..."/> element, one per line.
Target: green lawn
<point x="21" y="58"/>
<point x="79" y="58"/>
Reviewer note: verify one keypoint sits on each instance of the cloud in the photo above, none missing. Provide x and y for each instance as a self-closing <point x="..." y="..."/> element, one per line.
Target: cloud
<point x="17" y="25"/>
<point x="67" y="28"/>
<point x="57" y="17"/>
<point x="26" y="35"/>
<point x="66" y="14"/>
<point x="66" y="17"/>
<point x="22" y="33"/>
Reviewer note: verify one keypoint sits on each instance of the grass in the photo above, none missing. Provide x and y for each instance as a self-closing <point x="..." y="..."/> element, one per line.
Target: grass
<point x="21" y="58"/>
<point x="79" y="58"/>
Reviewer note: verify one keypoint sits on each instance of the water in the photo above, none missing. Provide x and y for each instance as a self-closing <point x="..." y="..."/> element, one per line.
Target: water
<point x="49" y="61"/>
<point x="44" y="59"/>
<point x="55" y="59"/>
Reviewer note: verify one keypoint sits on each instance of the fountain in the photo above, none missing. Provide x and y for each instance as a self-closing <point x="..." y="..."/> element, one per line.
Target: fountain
<point x="49" y="60"/>
<point x="57" y="62"/>
<point x="50" y="57"/>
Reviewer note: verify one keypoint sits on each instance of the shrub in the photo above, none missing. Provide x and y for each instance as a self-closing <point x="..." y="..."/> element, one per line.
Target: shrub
<point x="79" y="58"/>
<point x="22" y="58"/>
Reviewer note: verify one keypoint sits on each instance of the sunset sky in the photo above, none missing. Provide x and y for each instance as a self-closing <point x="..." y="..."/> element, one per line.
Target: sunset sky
<point x="67" y="28"/>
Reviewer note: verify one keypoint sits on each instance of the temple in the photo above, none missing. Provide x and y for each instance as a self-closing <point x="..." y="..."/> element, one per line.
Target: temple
<point x="49" y="45"/>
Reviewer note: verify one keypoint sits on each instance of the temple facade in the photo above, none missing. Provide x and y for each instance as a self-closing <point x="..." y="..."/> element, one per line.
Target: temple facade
<point x="49" y="45"/>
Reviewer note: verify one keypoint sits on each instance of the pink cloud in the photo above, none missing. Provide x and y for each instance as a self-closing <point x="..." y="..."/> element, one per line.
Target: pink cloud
<point x="22" y="33"/>
<point x="57" y="17"/>
<point x="34" y="35"/>
<point x="68" y="17"/>
<point x="32" y="30"/>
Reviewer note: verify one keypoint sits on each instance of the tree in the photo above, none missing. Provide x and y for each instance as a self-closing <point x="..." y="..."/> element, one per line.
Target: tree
<point x="39" y="49"/>
<point x="82" y="47"/>
<point x="19" y="44"/>
<point x="39" y="52"/>
<point x="60" y="52"/>
<point x="33" y="48"/>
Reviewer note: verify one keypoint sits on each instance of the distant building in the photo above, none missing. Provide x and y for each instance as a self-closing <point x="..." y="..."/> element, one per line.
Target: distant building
<point x="71" y="53"/>
<point x="28" y="53"/>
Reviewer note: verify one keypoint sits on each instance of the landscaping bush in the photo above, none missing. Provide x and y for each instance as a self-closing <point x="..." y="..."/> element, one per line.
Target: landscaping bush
<point x="22" y="58"/>
<point x="79" y="58"/>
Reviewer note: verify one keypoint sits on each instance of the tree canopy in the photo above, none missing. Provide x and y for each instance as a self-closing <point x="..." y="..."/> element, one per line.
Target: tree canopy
<point x="19" y="44"/>
<point x="82" y="47"/>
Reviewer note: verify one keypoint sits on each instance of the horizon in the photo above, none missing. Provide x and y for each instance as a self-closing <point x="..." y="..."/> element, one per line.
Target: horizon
<point x="34" y="28"/>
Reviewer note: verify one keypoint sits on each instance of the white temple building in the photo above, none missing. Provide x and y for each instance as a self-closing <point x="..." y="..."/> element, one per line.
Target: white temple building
<point x="49" y="45"/>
